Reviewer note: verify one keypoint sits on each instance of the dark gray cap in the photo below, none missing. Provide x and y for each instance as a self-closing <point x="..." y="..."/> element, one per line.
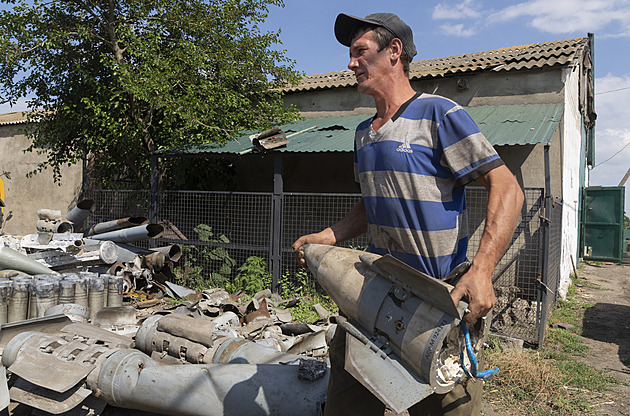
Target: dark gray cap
<point x="347" y="25"/>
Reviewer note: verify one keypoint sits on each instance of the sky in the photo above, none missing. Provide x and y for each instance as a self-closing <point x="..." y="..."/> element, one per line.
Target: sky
<point x="445" y="28"/>
<point x="453" y="27"/>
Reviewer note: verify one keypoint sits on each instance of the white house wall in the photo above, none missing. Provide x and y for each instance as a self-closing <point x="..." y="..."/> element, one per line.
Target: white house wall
<point x="571" y="154"/>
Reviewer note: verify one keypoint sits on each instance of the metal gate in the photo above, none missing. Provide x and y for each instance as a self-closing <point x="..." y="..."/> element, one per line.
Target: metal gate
<point x="602" y="223"/>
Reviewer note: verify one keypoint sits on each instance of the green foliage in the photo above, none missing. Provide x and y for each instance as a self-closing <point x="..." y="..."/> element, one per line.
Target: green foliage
<point x="199" y="259"/>
<point x="303" y="288"/>
<point x="189" y="274"/>
<point x="253" y="276"/>
<point x="120" y="79"/>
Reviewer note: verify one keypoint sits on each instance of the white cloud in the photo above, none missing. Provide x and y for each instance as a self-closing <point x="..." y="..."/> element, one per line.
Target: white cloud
<point x="463" y="10"/>
<point x="457" y="30"/>
<point x="565" y="16"/>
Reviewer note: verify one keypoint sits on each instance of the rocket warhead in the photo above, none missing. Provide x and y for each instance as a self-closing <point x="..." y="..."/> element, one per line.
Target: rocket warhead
<point x="409" y="315"/>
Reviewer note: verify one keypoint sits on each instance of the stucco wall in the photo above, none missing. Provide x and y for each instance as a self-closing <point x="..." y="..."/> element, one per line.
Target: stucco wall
<point x="525" y="87"/>
<point x="24" y="196"/>
<point x="571" y="153"/>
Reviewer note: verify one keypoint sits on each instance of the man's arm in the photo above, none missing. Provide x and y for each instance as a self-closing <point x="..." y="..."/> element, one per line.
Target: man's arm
<point x="505" y="200"/>
<point x="352" y="225"/>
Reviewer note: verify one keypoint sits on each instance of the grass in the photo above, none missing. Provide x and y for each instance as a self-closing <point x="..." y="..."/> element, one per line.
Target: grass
<point x="571" y="310"/>
<point x="549" y="380"/>
<point x="564" y="341"/>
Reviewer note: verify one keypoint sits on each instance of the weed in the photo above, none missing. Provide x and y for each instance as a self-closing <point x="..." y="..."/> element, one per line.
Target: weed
<point x="304" y="289"/>
<point x="524" y="378"/>
<point x="200" y="259"/>
<point x="571" y="310"/>
<point x="544" y="382"/>
<point x="583" y="376"/>
<point x="253" y="276"/>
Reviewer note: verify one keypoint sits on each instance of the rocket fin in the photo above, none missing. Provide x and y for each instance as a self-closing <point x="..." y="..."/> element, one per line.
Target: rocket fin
<point x="384" y="376"/>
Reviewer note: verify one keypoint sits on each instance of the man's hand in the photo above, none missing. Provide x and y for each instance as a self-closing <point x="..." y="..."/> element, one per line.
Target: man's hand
<point x="475" y="287"/>
<point x="326" y="237"/>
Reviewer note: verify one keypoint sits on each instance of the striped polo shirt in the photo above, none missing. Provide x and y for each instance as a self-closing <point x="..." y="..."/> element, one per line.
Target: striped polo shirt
<point x="412" y="174"/>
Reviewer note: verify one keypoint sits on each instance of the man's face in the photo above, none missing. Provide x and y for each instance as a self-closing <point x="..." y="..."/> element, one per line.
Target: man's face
<point x="370" y="67"/>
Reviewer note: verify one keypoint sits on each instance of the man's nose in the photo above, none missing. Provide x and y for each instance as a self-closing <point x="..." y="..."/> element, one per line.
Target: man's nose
<point x="352" y="64"/>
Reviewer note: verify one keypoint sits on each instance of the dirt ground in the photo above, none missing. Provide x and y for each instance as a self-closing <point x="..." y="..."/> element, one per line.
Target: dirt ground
<point x="606" y="328"/>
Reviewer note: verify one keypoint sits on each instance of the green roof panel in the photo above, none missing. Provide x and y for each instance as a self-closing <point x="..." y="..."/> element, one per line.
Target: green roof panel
<point x="518" y="124"/>
<point x="502" y="124"/>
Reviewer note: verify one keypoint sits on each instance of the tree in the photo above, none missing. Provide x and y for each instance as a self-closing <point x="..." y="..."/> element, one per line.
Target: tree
<point x="119" y="79"/>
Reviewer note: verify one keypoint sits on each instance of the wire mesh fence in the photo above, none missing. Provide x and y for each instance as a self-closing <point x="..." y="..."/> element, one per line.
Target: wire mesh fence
<point x="517" y="274"/>
<point x="310" y="213"/>
<point x="219" y="231"/>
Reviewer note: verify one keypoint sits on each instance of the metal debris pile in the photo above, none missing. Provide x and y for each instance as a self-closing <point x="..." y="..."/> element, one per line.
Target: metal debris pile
<point x="84" y="323"/>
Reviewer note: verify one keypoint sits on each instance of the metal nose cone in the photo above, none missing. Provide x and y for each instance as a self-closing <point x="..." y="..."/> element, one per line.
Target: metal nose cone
<point x="314" y="253"/>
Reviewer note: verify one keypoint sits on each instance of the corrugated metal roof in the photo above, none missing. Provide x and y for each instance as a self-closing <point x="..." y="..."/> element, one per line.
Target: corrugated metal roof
<point x="332" y="134"/>
<point x="17" y="117"/>
<point x="536" y="55"/>
<point x="502" y="125"/>
<point x="517" y="124"/>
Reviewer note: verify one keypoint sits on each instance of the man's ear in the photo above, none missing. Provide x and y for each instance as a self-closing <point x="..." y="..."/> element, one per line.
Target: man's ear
<point x="396" y="48"/>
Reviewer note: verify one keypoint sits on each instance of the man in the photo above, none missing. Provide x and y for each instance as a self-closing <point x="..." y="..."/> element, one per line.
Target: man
<point x="412" y="160"/>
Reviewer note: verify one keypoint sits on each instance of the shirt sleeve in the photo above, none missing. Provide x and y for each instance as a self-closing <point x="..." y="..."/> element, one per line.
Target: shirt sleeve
<point x="466" y="151"/>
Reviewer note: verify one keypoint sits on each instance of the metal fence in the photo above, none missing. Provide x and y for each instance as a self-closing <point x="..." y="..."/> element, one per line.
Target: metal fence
<point x="243" y="225"/>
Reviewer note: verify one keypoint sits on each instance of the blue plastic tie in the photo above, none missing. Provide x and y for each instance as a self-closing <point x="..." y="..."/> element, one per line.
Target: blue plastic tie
<point x="473" y="359"/>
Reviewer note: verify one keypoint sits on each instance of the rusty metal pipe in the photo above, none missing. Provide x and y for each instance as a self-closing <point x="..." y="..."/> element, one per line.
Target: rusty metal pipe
<point x="119" y="224"/>
<point x="127" y="253"/>
<point x="172" y="252"/>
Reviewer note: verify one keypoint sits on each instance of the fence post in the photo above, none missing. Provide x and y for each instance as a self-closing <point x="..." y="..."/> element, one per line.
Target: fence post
<point x="277" y="206"/>
<point x="153" y="198"/>
<point x="543" y="287"/>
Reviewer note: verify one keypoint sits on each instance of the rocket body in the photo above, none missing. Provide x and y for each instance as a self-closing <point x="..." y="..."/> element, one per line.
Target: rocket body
<point x="406" y="313"/>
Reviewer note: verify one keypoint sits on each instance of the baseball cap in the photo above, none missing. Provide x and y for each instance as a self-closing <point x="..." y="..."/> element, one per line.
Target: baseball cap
<point x="346" y="26"/>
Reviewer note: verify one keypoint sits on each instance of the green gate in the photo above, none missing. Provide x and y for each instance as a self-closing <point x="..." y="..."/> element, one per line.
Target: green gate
<point x="602" y="223"/>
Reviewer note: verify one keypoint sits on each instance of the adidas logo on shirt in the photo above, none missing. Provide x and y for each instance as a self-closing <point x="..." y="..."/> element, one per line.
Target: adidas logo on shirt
<point x="404" y="147"/>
